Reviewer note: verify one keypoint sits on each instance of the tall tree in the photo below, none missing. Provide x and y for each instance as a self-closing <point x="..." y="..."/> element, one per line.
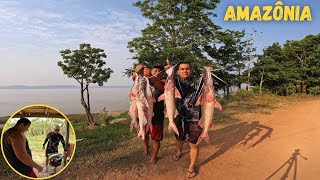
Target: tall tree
<point x="305" y="52"/>
<point x="86" y="66"/>
<point x="231" y="52"/>
<point x="179" y="29"/>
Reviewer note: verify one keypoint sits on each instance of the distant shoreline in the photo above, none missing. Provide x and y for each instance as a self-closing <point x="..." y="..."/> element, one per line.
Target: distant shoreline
<point x="56" y="87"/>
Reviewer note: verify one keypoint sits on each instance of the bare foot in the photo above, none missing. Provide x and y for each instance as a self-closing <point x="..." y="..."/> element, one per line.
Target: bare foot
<point x="153" y="160"/>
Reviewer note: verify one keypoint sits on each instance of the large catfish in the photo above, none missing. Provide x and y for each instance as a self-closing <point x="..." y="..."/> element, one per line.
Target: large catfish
<point x="208" y="102"/>
<point x="150" y="100"/>
<point x="169" y="96"/>
<point x="143" y="104"/>
<point x="133" y="110"/>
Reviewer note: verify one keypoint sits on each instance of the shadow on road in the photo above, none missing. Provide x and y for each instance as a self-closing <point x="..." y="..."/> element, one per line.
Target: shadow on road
<point x="229" y="136"/>
<point x="292" y="160"/>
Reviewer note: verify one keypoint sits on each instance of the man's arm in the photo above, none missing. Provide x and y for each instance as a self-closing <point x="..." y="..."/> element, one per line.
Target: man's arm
<point x="18" y="143"/>
<point x="46" y="140"/>
<point x="63" y="142"/>
<point x="159" y="84"/>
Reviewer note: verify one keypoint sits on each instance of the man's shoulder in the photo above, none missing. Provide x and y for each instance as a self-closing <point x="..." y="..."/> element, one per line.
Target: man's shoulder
<point x="50" y="134"/>
<point x="16" y="135"/>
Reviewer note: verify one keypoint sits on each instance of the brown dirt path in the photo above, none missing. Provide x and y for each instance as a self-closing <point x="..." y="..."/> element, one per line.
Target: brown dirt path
<point x="280" y="145"/>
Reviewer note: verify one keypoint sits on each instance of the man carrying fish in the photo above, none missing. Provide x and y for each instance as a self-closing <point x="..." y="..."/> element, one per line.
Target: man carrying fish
<point x="154" y="74"/>
<point x="189" y="114"/>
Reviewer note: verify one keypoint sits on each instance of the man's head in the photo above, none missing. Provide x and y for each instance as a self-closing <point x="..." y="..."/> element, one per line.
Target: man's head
<point x="157" y="71"/>
<point x="184" y="70"/>
<point x="23" y="124"/>
<point x="56" y="129"/>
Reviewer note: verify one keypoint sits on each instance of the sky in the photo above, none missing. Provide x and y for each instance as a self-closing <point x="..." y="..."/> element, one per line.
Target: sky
<point x="32" y="32"/>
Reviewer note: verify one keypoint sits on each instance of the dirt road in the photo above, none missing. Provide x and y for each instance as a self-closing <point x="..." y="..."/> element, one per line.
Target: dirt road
<point x="282" y="144"/>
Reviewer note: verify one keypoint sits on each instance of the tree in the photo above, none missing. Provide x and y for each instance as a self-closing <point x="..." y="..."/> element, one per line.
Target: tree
<point x="179" y="30"/>
<point x="305" y="53"/>
<point x="86" y="66"/>
<point x="231" y="52"/>
<point x="264" y="70"/>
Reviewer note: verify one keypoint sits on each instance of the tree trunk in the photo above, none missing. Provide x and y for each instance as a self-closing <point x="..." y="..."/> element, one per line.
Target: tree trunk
<point x="260" y="86"/>
<point x="304" y="88"/>
<point x="91" y="120"/>
<point x="86" y="107"/>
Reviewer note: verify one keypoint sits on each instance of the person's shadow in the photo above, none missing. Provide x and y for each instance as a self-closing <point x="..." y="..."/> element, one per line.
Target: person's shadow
<point x="292" y="160"/>
<point x="229" y="136"/>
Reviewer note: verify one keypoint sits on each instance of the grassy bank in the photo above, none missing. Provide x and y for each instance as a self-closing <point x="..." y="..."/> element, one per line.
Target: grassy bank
<point x="111" y="147"/>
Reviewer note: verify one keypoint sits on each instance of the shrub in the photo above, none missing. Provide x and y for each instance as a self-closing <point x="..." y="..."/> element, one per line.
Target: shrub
<point x="241" y="95"/>
<point x="314" y="90"/>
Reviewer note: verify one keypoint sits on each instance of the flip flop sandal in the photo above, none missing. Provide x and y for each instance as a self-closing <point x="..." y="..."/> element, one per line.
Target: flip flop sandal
<point x="192" y="174"/>
<point x="176" y="158"/>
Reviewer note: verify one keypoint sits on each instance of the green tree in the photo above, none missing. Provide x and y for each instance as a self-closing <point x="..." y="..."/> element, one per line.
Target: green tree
<point x="264" y="70"/>
<point x="179" y="29"/>
<point x="281" y="73"/>
<point x="86" y="66"/>
<point x="305" y="53"/>
<point x="231" y="52"/>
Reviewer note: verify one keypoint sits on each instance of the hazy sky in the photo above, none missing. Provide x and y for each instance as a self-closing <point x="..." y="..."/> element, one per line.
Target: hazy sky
<point x="32" y="32"/>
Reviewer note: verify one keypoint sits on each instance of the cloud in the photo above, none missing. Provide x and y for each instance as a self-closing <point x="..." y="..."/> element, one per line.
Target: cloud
<point x="40" y="33"/>
<point x="112" y="27"/>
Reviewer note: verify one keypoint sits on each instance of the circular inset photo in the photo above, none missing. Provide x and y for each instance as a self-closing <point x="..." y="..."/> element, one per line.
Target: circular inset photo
<point x="38" y="142"/>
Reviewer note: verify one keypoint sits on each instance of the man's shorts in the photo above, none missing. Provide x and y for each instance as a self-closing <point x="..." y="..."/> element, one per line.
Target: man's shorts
<point x="191" y="128"/>
<point x="32" y="174"/>
<point x="157" y="132"/>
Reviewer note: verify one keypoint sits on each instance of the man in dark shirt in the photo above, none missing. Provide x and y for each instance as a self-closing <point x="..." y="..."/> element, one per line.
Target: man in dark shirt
<point x="16" y="149"/>
<point x="53" y="139"/>
<point x="189" y="114"/>
<point x="157" y="84"/>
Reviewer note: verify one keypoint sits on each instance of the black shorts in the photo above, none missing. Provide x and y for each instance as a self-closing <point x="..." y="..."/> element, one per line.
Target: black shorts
<point x="191" y="128"/>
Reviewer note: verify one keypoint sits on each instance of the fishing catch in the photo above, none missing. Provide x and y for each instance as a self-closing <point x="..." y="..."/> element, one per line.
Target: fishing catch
<point x="208" y="102"/>
<point x="141" y="105"/>
<point x="169" y="96"/>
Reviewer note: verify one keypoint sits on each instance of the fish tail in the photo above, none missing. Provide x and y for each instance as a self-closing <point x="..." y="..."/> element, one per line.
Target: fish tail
<point x="203" y="137"/>
<point x="174" y="127"/>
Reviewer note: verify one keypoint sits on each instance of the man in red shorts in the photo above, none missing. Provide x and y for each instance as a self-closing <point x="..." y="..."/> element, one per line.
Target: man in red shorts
<point x="17" y="151"/>
<point x="155" y="75"/>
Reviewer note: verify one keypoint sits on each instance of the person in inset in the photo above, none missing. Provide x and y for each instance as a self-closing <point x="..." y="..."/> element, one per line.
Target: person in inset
<point x="53" y="138"/>
<point x="155" y="75"/>
<point x="16" y="149"/>
<point x="189" y="114"/>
